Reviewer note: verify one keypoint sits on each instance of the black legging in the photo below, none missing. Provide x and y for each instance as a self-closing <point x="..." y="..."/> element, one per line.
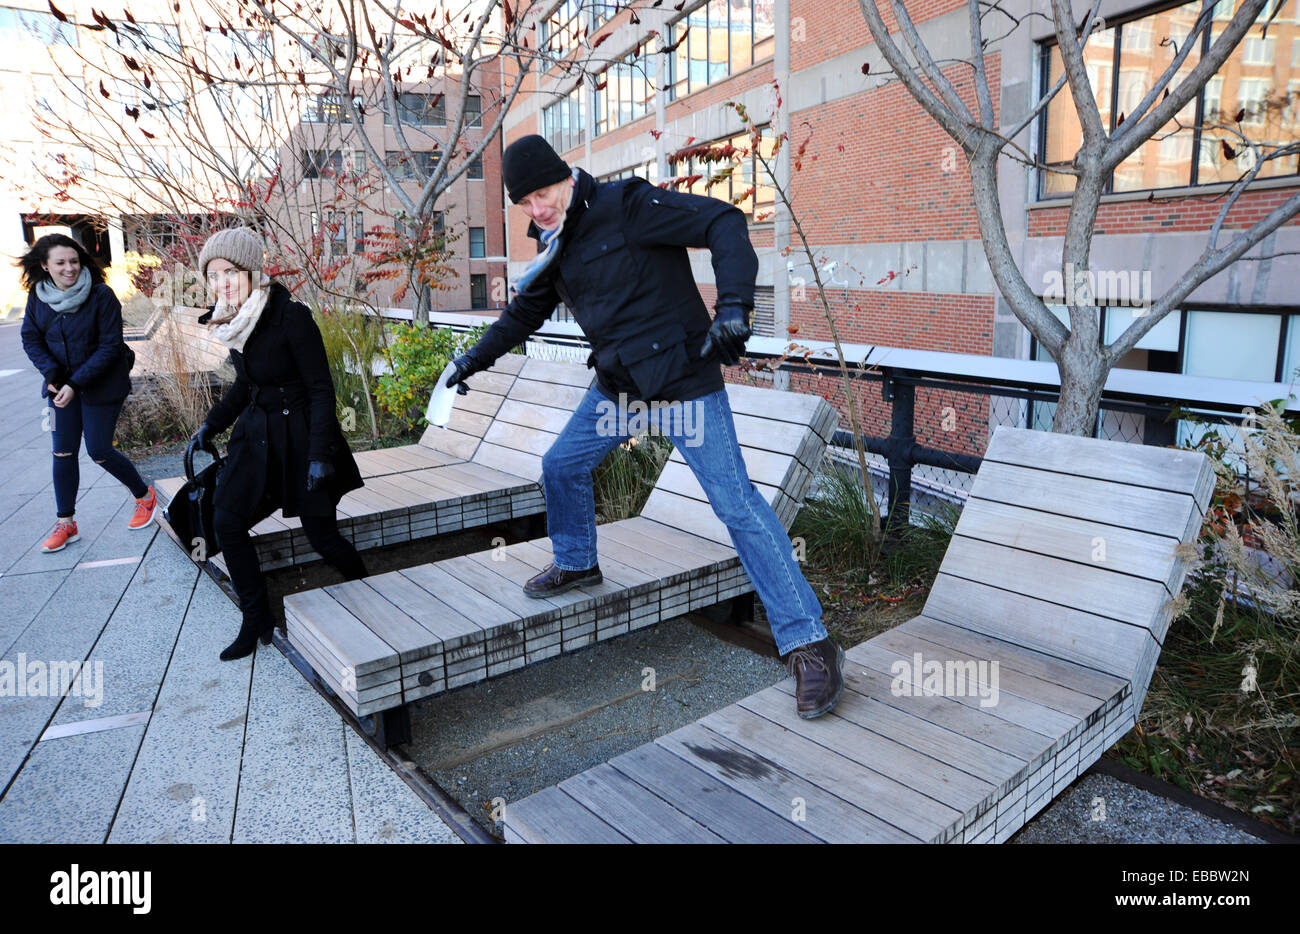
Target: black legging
<point x="241" y="556"/>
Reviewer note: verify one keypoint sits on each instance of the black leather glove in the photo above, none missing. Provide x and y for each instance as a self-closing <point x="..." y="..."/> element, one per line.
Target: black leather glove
<point x="56" y="377"/>
<point x="317" y="473"/>
<point x="728" y="334"/>
<point x="467" y="364"/>
<point x="203" y="439"/>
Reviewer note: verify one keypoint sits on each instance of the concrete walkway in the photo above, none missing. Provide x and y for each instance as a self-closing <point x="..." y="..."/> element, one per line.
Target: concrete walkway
<point x="156" y="740"/>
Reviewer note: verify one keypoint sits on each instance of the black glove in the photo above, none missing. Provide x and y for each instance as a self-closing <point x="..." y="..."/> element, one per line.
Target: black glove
<point x="728" y="334"/>
<point x="203" y="439"/>
<point x="317" y="473"/>
<point x="56" y="377"/>
<point x="467" y="364"/>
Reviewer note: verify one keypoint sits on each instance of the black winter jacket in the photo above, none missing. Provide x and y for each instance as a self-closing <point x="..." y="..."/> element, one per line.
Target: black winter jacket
<point x="282" y="407"/>
<point x="624" y="273"/>
<point x="81" y="348"/>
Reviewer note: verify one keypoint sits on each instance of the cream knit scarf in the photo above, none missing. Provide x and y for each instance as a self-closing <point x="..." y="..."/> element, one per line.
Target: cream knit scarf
<point x="233" y="328"/>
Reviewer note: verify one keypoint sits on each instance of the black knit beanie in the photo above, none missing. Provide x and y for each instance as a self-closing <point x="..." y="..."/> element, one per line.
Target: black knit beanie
<point x="529" y="164"/>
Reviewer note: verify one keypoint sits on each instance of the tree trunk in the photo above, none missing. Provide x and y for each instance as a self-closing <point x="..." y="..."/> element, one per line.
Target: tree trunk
<point x="1083" y="375"/>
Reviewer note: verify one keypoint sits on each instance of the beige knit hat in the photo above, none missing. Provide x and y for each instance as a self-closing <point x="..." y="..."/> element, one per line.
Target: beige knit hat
<point x="239" y="246"/>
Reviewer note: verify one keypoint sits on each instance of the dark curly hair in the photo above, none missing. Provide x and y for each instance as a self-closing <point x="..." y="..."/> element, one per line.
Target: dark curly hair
<point x="31" y="262"/>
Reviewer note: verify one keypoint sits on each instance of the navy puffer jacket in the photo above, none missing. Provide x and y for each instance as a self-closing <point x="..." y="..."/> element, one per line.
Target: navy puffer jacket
<point x="81" y="348"/>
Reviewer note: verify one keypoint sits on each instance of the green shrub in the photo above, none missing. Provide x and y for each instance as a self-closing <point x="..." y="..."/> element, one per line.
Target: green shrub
<point x="417" y="356"/>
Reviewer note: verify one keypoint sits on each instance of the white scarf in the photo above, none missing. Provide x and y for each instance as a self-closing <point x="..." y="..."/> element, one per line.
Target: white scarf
<point x="234" y="330"/>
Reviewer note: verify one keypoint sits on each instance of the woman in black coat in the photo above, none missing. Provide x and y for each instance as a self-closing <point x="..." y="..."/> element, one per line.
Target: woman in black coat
<point x="72" y="333"/>
<point x="286" y="450"/>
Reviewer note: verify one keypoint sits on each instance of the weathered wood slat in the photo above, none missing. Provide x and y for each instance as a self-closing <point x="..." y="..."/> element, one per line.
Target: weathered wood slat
<point x="1010" y="707"/>
<point x="827" y="816"/>
<point x="1067" y="583"/>
<point x="886" y="798"/>
<point x="520" y="438"/>
<point x="1093" y="641"/>
<point x="932" y="777"/>
<point x="533" y="415"/>
<point x="545" y="393"/>
<point x="632" y="810"/>
<point x="1084" y="680"/>
<point x="866" y="705"/>
<point x="705" y="799"/>
<point x="551" y="371"/>
<point x="1131" y="507"/>
<point x="520" y="464"/>
<point x="1129" y="551"/>
<point x="404" y="635"/>
<point x="341" y="632"/>
<point x="1116" y="461"/>
<point x="551" y="816"/>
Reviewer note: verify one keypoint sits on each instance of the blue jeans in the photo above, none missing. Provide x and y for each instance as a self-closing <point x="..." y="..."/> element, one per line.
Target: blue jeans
<point x="713" y="454"/>
<point x="97" y="422"/>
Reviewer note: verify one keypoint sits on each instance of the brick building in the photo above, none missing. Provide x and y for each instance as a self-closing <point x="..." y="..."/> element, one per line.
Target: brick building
<point x="883" y="194"/>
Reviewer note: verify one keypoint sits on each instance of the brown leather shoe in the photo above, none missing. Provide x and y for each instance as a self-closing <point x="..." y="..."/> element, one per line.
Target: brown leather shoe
<point x="555" y="581"/>
<point x="818" y="671"/>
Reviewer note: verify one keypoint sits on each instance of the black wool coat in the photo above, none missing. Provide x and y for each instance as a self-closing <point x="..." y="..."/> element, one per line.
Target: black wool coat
<point x="624" y="273"/>
<point x="282" y="406"/>
<point x="81" y="348"/>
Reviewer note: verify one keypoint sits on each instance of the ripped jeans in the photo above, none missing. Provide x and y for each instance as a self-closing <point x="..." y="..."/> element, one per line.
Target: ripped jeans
<point x="97" y="422"/>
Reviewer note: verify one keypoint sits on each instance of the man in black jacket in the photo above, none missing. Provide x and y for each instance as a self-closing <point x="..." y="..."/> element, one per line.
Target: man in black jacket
<point x="615" y="254"/>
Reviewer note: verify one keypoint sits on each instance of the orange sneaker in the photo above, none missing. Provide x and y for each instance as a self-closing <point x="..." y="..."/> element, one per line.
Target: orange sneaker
<point x="144" y="508"/>
<point x="65" y="532"/>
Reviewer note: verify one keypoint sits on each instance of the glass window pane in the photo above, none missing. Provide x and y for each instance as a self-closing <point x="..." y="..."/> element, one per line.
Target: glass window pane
<point x="1146" y="49"/>
<point x="1254" y="80"/>
<point x="1064" y="136"/>
<point x="1164" y="336"/>
<point x="1291" y="358"/>
<point x="1231" y="346"/>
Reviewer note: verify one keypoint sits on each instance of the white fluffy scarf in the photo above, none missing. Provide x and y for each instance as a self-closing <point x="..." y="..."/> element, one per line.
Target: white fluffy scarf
<point x="234" y="328"/>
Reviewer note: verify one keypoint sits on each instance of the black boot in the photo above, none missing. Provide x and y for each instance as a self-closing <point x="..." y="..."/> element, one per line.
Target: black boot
<point x="258" y="623"/>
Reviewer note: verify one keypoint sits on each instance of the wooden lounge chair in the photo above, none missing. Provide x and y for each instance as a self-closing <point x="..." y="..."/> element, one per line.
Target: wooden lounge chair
<point x="1061" y="572"/>
<point x="394" y="638"/>
<point x="478" y="470"/>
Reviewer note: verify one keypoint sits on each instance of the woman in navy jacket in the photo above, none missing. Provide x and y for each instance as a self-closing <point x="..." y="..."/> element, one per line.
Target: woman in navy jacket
<point x="72" y="333"/>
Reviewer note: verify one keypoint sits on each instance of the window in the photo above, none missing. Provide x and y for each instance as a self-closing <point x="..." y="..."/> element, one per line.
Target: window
<point x="315" y="224"/>
<point x="562" y="31"/>
<point x="29" y="27"/>
<point x="722" y="38"/>
<point x="748" y="186"/>
<point x="358" y="227"/>
<point x="359" y="161"/>
<point x="337" y="225"/>
<point x="473" y="110"/>
<point x="326" y="108"/>
<point x="647" y="170"/>
<point x="478" y="290"/>
<point x="564" y="123"/>
<point x="477" y="242"/>
<point x="624" y="91"/>
<point x="322" y="163"/>
<point x="416" y="166"/>
<point x="1123" y="63"/>
<point x="475" y="170"/>
<point x="418" y="109"/>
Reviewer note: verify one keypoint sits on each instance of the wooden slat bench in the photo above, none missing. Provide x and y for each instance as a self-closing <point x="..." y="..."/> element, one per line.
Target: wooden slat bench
<point x="1061" y="571"/>
<point x="468" y="474"/>
<point x="398" y="637"/>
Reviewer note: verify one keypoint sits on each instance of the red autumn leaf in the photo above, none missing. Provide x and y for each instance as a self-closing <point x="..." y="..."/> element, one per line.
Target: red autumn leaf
<point x="1241" y="115"/>
<point x="1228" y="151"/>
<point x="58" y="14"/>
<point x="103" y="90"/>
<point x="133" y="113"/>
<point x="866" y="67"/>
<point x="148" y="134"/>
<point x="656" y="133"/>
<point x="129" y="17"/>
<point x="599" y="39"/>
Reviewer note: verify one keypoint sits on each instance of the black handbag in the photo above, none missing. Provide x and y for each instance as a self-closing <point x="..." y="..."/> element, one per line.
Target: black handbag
<point x="190" y="511"/>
